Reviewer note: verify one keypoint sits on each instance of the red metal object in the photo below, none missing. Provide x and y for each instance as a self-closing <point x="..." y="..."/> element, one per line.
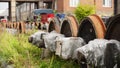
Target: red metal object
<point x="44" y="17"/>
<point x="50" y="15"/>
<point x="3" y="20"/>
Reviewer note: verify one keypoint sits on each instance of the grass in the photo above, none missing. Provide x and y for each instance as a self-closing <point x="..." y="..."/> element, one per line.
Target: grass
<point x="15" y="50"/>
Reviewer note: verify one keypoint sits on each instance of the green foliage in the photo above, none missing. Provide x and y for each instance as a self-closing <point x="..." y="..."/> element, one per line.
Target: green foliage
<point x="16" y="50"/>
<point x="83" y="11"/>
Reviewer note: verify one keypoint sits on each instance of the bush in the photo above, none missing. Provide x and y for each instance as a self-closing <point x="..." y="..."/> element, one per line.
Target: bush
<point x="83" y="11"/>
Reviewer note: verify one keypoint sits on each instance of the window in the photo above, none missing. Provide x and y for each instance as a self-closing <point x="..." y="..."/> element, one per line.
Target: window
<point x="107" y="3"/>
<point x="74" y="3"/>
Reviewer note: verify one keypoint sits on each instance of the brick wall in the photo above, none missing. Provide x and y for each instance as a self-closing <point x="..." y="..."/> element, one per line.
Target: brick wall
<point x="67" y="7"/>
<point x="104" y="11"/>
<point x="60" y="5"/>
<point x="64" y="6"/>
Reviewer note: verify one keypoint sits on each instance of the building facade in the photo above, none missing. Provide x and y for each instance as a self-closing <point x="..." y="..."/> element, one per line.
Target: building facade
<point x="24" y="10"/>
<point x="103" y="7"/>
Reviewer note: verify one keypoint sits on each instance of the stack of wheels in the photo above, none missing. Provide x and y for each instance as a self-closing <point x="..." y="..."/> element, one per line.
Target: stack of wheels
<point x="11" y="25"/>
<point x="21" y="27"/>
<point x="14" y="25"/>
<point x="7" y="25"/>
<point x="4" y="25"/>
<point x="17" y="26"/>
<point x="54" y="24"/>
<point x="44" y="26"/>
<point x="113" y="28"/>
<point x="91" y="27"/>
<point x="38" y="25"/>
<point x="69" y="26"/>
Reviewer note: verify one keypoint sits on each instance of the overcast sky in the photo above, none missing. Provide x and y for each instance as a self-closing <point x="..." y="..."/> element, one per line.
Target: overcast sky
<point x="3" y="5"/>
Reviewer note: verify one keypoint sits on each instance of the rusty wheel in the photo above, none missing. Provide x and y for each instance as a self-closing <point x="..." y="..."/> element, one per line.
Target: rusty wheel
<point x="7" y="24"/>
<point x="4" y="25"/>
<point x="69" y="26"/>
<point x="91" y="27"/>
<point x="10" y="24"/>
<point x="113" y="28"/>
<point x="21" y="27"/>
<point x="54" y="24"/>
<point x="14" y="25"/>
<point x="17" y="25"/>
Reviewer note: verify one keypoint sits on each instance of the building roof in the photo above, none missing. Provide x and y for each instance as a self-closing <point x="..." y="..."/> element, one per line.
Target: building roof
<point x="40" y="11"/>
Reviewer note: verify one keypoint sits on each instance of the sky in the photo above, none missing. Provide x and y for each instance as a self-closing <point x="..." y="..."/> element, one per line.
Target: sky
<point x="3" y="5"/>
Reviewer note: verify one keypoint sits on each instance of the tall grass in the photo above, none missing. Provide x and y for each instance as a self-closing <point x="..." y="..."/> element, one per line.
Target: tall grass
<point x="15" y="50"/>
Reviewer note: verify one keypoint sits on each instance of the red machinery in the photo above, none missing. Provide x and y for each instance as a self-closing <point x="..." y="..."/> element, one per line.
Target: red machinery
<point x="45" y="14"/>
<point x="45" y="17"/>
<point x="3" y="20"/>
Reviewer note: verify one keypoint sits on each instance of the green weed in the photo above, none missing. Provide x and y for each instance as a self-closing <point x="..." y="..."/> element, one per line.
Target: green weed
<point x="15" y="50"/>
